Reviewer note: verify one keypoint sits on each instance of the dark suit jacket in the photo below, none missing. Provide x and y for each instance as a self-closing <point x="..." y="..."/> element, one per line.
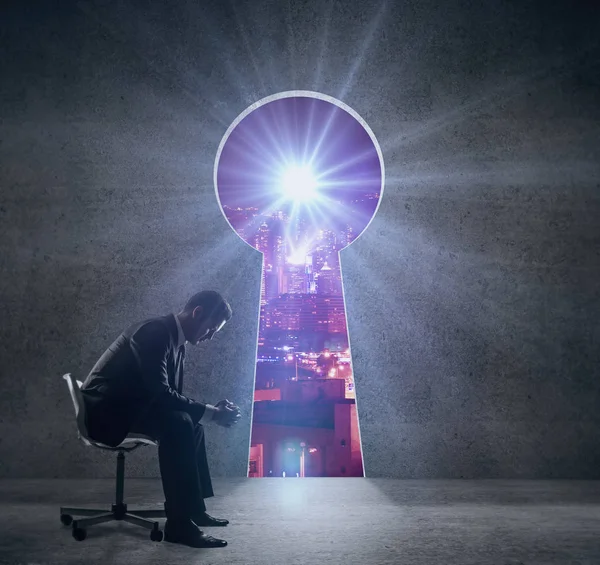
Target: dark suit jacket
<point x="137" y="373"/>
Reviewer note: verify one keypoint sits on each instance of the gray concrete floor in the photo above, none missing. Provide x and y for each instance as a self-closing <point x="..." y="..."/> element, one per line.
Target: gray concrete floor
<point x="320" y="520"/>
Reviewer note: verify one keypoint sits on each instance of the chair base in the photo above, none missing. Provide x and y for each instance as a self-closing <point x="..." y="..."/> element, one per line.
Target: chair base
<point x="117" y="512"/>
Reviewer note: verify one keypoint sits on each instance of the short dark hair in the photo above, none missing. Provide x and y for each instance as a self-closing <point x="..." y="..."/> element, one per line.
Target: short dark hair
<point x="213" y="305"/>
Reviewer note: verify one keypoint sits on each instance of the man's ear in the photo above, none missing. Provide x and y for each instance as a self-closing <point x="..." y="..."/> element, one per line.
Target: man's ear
<point x="197" y="312"/>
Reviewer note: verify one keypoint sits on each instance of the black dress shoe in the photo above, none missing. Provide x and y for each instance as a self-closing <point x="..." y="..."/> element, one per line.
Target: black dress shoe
<point x="206" y="520"/>
<point x="186" y="533"/>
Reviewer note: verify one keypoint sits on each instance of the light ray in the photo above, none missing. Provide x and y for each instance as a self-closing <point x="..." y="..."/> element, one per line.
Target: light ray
<point x="323" y="135"/>
<point x="341" y="165"/>
<point x="359" y="59"/>
<point x="324" y="38"/>
<point x="504" y="91"/>
<point x="244" y="35"/>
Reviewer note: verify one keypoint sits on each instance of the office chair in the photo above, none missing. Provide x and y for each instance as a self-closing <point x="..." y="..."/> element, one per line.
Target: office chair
<point x="118" y="510"/>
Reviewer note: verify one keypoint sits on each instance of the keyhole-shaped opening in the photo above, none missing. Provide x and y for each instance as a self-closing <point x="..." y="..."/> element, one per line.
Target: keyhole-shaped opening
<point x="299" y="176"/>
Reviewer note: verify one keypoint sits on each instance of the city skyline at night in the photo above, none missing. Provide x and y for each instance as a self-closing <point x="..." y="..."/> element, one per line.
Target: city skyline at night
<point x="301" y="292"/>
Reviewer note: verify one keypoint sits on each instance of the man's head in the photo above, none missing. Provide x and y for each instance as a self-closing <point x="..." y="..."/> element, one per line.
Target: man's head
<point x="203" y="316"/>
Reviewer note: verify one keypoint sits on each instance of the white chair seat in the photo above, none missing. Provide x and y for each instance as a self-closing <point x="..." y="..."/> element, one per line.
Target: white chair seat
<point x="130" y="440"/>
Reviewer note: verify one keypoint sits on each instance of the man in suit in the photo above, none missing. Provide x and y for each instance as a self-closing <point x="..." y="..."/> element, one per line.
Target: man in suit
<point x="136" y="386"/>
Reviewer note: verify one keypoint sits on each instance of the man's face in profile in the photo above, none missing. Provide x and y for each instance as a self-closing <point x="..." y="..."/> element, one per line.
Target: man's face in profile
<point x="206" y="329"/>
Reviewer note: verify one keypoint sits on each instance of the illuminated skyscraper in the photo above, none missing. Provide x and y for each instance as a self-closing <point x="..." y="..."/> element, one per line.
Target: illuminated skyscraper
<point x="310" y="275"/>
<point x="328" y="282"/>
<point x="261" y="242"/>
<point x="295" y="279"/>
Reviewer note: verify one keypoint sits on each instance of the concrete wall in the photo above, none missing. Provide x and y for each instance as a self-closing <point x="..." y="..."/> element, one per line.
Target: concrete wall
<point x="472" y="298"/>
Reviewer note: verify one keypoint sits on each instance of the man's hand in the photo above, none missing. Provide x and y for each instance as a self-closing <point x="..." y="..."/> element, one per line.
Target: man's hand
<point x="225" y="402"/>
<point x="226" y="415"/>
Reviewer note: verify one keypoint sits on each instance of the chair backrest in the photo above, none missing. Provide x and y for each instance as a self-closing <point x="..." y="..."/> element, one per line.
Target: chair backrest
<point x="77" y="398"/>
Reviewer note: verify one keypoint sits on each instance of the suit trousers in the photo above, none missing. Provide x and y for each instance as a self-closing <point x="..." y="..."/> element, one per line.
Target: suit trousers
<point x="182" y="459"/>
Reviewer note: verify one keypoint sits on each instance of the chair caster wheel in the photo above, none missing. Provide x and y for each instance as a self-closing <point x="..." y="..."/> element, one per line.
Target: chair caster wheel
<point x="66" y="519"/>
<point x="156" y="535"/>
<point x="79" y="534"/>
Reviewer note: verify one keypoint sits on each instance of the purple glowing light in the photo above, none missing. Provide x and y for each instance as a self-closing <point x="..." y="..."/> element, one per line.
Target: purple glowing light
<point x="305" y="133"/>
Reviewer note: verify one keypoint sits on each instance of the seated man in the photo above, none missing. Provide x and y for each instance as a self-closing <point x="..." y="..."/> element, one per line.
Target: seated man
<point x="136" y="387"/>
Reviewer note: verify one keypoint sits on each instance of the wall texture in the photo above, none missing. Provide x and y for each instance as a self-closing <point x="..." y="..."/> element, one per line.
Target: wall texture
<point x="472" y="299"/>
